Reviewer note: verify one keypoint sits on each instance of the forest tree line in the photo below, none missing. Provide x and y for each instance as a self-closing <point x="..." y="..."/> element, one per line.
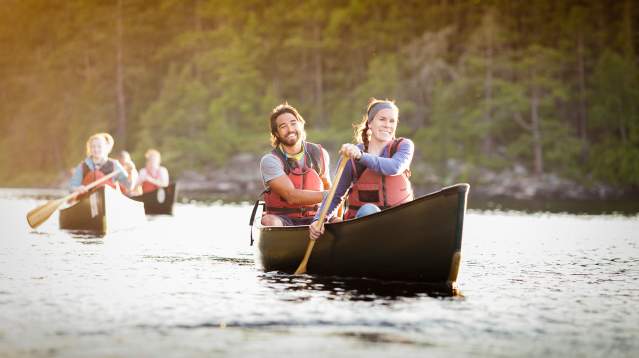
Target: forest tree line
<point x="552" y="86"/>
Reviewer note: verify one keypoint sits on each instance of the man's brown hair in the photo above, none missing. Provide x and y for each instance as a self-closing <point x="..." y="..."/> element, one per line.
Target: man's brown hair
<point x="278" y="111"/>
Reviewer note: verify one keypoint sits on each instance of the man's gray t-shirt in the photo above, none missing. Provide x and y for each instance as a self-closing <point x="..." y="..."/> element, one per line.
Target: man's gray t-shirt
<point x="271" y="166"/>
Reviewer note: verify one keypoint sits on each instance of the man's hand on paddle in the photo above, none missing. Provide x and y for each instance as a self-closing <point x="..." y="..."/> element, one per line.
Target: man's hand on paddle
<point x="315" y="230"/>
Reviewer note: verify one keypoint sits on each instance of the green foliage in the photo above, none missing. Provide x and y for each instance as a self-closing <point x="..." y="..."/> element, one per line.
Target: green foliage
<point x="176" y="123"/>
<point x="490" y="84"/>
<point x="615" y="119"/>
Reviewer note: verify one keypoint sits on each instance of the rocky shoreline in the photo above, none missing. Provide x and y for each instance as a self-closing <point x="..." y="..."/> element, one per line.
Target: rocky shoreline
<point x="242" y="179"/>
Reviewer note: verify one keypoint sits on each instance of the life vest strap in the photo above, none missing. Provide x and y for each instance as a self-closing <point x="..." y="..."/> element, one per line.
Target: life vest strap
<point x="313" y="158"/>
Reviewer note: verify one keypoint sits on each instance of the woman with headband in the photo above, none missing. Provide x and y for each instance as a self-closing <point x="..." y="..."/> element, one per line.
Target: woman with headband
<point x="379" y="167"/>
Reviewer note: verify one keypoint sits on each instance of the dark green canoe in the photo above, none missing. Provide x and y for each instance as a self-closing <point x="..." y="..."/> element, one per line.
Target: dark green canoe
<point x="160" y="201"/>
<point x="103" y="210"/>
<point x="417" y="241"/>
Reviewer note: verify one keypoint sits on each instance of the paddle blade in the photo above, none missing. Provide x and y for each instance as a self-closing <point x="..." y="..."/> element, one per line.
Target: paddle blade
<point x="301" y="269"/>
<point x="40" y="214"/>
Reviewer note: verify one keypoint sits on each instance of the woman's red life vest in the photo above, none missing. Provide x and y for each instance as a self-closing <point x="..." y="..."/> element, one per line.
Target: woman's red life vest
<point x="307" y="178"/>
<point x="148" y="186"/>
<point x="385" y="191"/>
<point x="89" y="176"/>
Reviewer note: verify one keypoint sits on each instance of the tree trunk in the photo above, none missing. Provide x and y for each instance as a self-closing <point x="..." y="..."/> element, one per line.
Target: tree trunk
<point x="536" y="134"/>
<point x="197" y="20"/>
<point x="317" y="63"/>
<point x="487" y="145"/>
<point x="628" y="41"/>
<point x="582" y="113"/>
<point x="623" y="133"/>
<point x="121" y="100"/>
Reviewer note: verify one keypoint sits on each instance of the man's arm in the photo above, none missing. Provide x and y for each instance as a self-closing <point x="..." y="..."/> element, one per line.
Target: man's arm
<point x="278" y="182"/>
<point x="283" y="187"/>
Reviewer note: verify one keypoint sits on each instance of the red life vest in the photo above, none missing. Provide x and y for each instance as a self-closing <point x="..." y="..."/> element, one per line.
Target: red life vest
<point x="89" y="176"/>
<point x="306" y="178"/>
<point x="148" y="186"/>
<point x="385" y="191"/>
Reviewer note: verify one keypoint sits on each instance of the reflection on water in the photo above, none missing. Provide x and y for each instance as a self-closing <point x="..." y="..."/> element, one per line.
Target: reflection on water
<point x="533" y="285"/>
<point x="356" y="289"/>
<point x="86" y="237"/>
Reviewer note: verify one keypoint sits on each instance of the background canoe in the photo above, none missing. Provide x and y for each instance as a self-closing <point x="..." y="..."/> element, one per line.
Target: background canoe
<point x="160" y="201"/>
<point x="103" y="210"/>
<point x="417" y="241"/>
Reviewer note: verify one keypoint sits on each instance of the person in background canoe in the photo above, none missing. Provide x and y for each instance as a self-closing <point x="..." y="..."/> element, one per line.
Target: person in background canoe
<point x="132" y="172"/>
<point x="153" y="176"/>
<point x="295" y="172"/>
<point x="378" y="173"/>
<point x="98" y="164"/>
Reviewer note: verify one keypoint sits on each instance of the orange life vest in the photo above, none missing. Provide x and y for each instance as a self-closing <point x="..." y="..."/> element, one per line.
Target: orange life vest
<point x="148" y="186"/>
<point x="385" y="191"/>
<point x="89" y="176"/>
<point x="307" y="178"/>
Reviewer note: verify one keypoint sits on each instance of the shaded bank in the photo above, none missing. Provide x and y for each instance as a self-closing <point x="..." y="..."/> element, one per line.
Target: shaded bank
<point x="515" y="188"/>
<point x="241" y="175"/>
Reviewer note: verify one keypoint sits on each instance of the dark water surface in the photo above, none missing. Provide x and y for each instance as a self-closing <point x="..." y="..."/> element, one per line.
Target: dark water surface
<point x="531" y="285"/>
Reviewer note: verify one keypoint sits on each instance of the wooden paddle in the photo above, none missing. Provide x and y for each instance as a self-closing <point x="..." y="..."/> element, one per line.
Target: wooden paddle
<point x="40" y="214"/>
<point x="301" y="269"/>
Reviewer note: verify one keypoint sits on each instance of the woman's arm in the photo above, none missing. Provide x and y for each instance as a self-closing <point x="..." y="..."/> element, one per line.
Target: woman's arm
<point x="76" y="178"/>
<point x="140" y="179"/>
<point x="344" y="184"/>
<point x="395" y="165"/>
<point x="164" y="178"/>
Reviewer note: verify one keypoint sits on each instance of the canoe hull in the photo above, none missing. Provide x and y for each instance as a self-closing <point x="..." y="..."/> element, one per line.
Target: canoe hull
<point x="417" y="241"/>
<point x="160" y="201"/>
<point x="103" y="210"/>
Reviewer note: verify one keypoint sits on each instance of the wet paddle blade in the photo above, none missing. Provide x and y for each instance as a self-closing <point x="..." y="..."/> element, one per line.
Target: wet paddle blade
<point x="40" y="214"/>
<point x="302" y="267"/>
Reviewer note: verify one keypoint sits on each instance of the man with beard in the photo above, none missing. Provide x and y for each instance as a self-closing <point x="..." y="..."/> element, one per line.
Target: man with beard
<point x="295" y="172"/>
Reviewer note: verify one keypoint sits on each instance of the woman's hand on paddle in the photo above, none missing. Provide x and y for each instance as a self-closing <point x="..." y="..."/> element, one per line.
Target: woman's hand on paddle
<point x="79" y="191"/>
<point x="351" y="151"/>
<point x="315" y="230"/>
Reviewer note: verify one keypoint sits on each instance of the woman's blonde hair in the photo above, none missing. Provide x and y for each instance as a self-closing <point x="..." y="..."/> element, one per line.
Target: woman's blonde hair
<point x="151" y="152"/>
<point x="103" y="135"/>
<point x="361" y="134"/>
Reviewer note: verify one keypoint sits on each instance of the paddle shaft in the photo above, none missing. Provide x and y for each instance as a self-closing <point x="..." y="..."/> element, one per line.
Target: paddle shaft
<point x="40" y="214"/>
<point x="301" y="269"/>
<point x="92" y="185"/>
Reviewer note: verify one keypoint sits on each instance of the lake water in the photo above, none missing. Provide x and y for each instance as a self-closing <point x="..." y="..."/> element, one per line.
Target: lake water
<point x="531" y="285"/>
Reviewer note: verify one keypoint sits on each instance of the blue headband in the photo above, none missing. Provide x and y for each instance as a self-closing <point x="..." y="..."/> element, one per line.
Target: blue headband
<point x="378" y="107"/>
